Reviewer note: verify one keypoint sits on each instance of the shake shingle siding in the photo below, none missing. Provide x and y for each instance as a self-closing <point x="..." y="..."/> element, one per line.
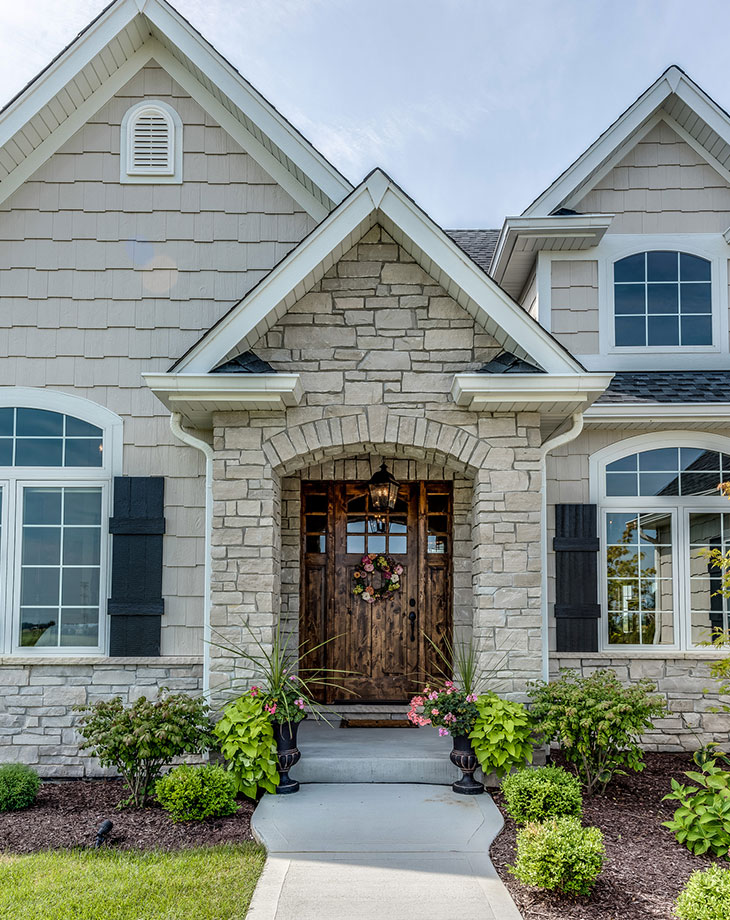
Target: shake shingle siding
<point x="100" y="282"/>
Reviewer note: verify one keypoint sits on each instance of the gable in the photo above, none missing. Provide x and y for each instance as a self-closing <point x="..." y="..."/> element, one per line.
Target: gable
<point x="378" y="328"/>
<point x="662" y="185"/>
<point x="102" y="59"/>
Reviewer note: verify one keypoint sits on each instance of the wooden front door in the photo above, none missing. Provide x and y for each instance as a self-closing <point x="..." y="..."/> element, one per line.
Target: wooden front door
<point x="382" y="644"/>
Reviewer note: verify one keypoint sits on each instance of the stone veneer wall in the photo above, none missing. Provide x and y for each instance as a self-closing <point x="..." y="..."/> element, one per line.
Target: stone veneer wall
<point x="376" y="343"/>
<point x="682" y="680"/>
<point x="37" y="698"/>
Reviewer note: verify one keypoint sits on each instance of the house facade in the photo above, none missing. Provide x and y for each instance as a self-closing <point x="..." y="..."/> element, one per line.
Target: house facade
<point x="211" y="341"/>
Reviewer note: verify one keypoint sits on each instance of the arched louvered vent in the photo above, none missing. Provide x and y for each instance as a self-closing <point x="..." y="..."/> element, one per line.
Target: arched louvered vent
<point x="152" y="138"/>
<point x="151" y="143"/>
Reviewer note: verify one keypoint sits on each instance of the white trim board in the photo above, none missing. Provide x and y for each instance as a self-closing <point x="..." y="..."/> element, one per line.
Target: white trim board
<point x="378" y="200"/>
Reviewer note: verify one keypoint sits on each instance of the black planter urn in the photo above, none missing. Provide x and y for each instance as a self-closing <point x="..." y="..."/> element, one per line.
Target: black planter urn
<point x="285" y="735"/>
<point x="463" y="757"/>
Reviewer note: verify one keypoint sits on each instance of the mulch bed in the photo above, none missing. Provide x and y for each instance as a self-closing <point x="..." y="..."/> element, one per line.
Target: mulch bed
<point x="645" y="867"/>
<point x="68" y="814"/>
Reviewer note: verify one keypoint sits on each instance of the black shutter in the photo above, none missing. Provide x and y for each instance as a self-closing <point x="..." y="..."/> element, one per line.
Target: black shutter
<point x="576" y="578"/>
<point x="136" y="606"/>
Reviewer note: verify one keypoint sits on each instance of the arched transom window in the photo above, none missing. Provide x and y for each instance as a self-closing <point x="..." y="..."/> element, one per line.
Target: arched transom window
<point x="662" y="298"/>
<point x="55" y="479"/>
<point x="661" y="512"/>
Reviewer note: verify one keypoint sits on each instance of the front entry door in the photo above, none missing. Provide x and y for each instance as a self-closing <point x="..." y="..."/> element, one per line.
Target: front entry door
<point x="381" y="644"/>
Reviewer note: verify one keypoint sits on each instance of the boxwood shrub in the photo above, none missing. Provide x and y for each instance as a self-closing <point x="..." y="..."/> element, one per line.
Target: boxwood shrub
<point x="559" y="855"/>
<point x="545" y="792"/>
<point x="19" y="786"/>
<point x="706" y="896"/>
<point x="194" y="793"/>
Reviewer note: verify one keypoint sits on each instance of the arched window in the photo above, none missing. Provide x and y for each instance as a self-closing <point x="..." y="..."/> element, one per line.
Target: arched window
<point x="58" y="454"/>
<point x="661" y="511"/>
<point x="662" y="299"/>
<point x="151" y="143"/>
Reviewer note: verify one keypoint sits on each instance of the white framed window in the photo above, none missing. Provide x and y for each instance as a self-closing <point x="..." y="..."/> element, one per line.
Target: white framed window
<point x="58" y="456"/>
<point x="150" y="145"/>
<point x="662" y="298"/>
<point x="659" y="510"/>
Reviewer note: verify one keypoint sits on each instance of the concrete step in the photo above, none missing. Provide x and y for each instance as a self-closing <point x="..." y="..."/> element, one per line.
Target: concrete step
<point x="373" y="755"/>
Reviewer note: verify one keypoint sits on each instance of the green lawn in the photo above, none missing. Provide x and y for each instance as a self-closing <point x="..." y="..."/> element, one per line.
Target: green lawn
<point x="210" y="883"/>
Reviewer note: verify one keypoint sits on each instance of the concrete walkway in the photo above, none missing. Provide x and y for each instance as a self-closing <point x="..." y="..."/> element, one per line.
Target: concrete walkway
<point x="378" y="852"/>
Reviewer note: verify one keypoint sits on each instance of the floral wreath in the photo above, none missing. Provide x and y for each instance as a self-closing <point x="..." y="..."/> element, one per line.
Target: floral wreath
<point x="377" y="562"/>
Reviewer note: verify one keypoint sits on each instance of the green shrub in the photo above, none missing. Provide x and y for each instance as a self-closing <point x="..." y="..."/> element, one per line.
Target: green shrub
<point x="706" y="896"/>
<point x="19" y="786"/>
<point x="597" y="722"/>
<point x="702" y="822"/>
<point x="247" y="742"/>
<point x="139" y="740"/>
<point x="559" y="855"/>
<point x="546" y="792"/>
<point x="195" y="793"/>
<point x="502" y="735"/>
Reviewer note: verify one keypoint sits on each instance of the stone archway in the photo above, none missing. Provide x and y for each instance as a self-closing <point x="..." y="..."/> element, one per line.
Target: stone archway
<point x="255" y="451"/>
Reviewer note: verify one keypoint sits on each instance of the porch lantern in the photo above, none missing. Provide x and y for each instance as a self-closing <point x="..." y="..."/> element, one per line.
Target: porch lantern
<point x="383" y="490"/>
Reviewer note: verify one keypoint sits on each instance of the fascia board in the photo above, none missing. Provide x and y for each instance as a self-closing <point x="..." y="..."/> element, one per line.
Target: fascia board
<point x="236" y="389"/>
<point x="57" y="138"/>
<point x="674" y="412"/>
<point x="274" y="167"/>
<point x="250" y="101"/>
<point x="477" y="285"/>
<point x="256" y="307"/>
<point x="74" y="59"/>
<point x="482" y="389"/>
<point x="600" y="149"/>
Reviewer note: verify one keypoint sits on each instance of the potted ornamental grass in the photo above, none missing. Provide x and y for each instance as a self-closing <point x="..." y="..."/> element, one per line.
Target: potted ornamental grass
<point x="268" y="713"/>
<point x="487" y="731"/>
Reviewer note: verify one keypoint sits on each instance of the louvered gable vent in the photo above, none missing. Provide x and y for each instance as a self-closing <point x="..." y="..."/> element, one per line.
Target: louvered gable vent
<point x="152" y="139"/>
<point x="151" y="143"/>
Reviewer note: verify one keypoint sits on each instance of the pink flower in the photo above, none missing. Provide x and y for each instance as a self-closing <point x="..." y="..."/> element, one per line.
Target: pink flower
<point x="399" y="570"/>
<point x="300" y="703"/>
<point x="434" y="712"/>
<point x="449" y="683"/>
<point x="270" y="708"/>
<point x="433" y="695"/>
<point x="292" y="677"/>
<point x="471" y="698"/>
<point x="442" y="732"/>
<point x="254" y="691"/>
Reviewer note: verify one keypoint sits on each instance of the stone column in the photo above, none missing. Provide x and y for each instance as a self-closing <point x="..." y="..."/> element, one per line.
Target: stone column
<point x="246" y="550"/>
<point x="506" y="562"/>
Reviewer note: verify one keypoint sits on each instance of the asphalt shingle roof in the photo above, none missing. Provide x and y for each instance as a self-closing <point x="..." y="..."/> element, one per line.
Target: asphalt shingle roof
<point x="479" y="245"/>
<point x="668" y="387"/>
<point x="245" y="363"/>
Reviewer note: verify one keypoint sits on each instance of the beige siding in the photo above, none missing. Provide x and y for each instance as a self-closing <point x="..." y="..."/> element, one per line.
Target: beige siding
<point x="574" y="305"/>
<point x="528" y="298"/>
<point x="101" y="281"/>
<point x="662" y="186"/>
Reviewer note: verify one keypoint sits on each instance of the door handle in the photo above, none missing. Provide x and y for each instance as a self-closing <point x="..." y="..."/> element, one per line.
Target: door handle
<point x="412" y="618"/>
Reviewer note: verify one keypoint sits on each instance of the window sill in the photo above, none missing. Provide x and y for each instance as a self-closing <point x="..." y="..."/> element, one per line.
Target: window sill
<point x="11" y="661"/>
<point x="629" y="654"/>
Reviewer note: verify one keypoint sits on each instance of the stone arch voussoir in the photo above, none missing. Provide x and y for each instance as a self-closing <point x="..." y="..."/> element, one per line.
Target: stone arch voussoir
<point x="375" y="431"/>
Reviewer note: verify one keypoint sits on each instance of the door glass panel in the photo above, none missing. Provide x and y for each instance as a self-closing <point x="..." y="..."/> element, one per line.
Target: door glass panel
<point x="60" y="567"/>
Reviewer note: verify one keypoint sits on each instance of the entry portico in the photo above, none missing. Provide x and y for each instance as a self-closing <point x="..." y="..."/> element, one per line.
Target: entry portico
<point x="375" y="340"/>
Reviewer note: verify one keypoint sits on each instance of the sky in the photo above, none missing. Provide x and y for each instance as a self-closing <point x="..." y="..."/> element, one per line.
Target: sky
<point x="472" y="106"/>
